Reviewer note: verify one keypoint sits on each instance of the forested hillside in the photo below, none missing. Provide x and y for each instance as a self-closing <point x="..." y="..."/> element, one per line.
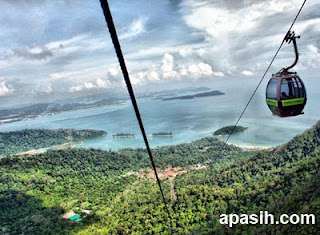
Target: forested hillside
<point x="36" y="190"/>
<point x="19" y="141"/>
<point x="284" y="180"/>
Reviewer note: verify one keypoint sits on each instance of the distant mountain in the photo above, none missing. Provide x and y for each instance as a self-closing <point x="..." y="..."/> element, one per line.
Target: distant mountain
<point x="158" y="95"/>
<point x="198" y="95"/>
<point x="182" y="90"/>
<point x="35" y="110"/>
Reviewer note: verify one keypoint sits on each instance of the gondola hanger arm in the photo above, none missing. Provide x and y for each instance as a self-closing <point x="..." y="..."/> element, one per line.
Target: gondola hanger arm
<point x="291" y="37"/>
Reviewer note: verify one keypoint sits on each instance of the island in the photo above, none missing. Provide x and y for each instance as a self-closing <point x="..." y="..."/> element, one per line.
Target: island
<point x="123" y="135"/>
<point x="227" y="130"/>
<point x="162" y="134"/>
<point x="198" y="95"/>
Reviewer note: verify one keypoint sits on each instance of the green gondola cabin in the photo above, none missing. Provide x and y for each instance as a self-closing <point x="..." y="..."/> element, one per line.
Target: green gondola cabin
<point x="286" y="95"/>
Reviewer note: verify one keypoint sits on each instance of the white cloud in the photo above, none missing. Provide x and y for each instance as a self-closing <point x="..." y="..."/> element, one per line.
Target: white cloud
<point x="176" y="68"/>
<point x="159" y="50"/>
<point x="97" y="84"/>
<point x="135" y="28"/>
<point x="167" y="63"/>
<point x="185" y="52"/>
<point x="114" y="71"/>
<point x="168" y="66"/>
<point x="4" y="89"/>
<point x="218" y="74"/>
<point x="312" y="57"/>
<point x="76" y="88"/>
<point x="224" y="38"/>
<point x="87" y="74"/>
<point x="101" y="83"/>
<point x="244" y="35"/>
<point x="247" y="72"/>
<point x="200" y="69"/>
<point x="88" y="85"/>
<point x="301" y="26"/>
<point x="218" y="20"/>
<point x="43" y="88"/>
<point x="60" y="75"/>
<point x="201" y="52"/>
<point x="46" y="88"/>
<point x="183" y="71"/>
<point x="153" y="75"/>
<point x="313" y="49"/>
<point x="3" y="64"/>
<point x="137" y="79"/>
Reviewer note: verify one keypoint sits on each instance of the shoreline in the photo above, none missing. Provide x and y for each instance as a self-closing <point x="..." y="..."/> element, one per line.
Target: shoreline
<point x="43" y="150"/>
<point x="251" y="147"/>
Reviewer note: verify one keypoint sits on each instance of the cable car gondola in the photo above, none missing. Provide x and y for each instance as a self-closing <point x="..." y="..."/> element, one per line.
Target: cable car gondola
<point x="286" y="94"/>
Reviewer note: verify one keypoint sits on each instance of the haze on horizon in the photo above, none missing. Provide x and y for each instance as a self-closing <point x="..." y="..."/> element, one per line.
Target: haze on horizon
<point x="53" y="50"/>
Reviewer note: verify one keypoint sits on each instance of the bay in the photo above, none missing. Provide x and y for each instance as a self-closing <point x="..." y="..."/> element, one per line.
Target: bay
<point x="189" y="120"/>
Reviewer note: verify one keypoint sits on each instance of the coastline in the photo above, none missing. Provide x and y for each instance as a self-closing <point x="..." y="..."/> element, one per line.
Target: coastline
<point x="248" y="147"/>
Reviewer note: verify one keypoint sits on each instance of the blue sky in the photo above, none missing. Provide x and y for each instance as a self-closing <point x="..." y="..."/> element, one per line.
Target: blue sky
<point x="56" y="49"/>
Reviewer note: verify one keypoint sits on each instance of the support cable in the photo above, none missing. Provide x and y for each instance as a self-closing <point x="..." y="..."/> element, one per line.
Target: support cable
<point x="117" y="47"/>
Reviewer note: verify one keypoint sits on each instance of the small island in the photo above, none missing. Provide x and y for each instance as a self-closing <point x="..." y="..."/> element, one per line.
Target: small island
<point x="162" y="134"/>
<point x="123" y="135"/>
<point x="227" y="130"/>
<point x="198" y="95"/>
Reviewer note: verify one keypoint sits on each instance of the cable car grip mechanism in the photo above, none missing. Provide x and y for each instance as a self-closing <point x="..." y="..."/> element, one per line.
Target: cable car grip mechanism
<point x="291" y="37"/>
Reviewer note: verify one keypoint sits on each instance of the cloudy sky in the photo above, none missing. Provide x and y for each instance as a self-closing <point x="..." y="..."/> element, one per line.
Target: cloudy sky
<point x="61" y="48"/>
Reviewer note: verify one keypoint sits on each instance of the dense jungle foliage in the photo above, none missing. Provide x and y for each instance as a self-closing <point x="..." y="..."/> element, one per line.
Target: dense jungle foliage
<point x="36" y="190"/>
<point x="24" y="140"/>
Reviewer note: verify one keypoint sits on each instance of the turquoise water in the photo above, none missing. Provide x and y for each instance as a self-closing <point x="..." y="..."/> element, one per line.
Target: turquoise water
<point x="187" y="119"/>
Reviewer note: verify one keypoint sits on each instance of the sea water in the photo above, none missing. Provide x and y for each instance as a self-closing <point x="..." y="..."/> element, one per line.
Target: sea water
<point x="188" y="120"/>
